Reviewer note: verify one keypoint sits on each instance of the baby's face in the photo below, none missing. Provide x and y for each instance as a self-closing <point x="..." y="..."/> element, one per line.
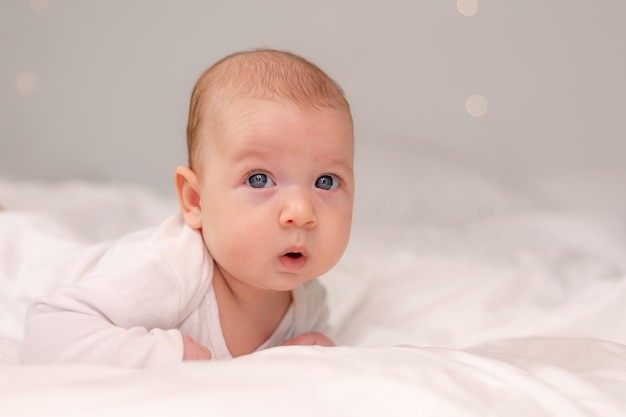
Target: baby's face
<point x="277" y="193"/>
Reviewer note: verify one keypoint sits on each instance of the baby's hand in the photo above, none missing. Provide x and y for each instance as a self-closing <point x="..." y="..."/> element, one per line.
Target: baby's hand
<point x="309" y="338"/>
<point x="193" y="351"/>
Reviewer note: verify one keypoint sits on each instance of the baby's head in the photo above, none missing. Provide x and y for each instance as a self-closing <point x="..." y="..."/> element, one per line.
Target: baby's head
<point x="270" y="181"/>
<point x="258" y="74"/>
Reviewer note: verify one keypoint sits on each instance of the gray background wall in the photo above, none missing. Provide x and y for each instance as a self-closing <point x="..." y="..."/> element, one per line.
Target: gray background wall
<point x="99" y="89"/>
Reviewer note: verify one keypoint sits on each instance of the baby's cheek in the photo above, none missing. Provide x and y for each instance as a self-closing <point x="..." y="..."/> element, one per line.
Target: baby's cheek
<point x="245" y="240"/>
<point x="338" y="236"/>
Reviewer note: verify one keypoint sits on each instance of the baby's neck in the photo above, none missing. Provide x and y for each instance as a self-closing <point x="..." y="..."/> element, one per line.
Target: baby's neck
<point x="248" y="316"/>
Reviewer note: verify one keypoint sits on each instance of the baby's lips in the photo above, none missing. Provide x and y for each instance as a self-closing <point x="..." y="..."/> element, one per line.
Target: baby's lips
<point x="293" y="260"/>
<point x="295" y="252"/>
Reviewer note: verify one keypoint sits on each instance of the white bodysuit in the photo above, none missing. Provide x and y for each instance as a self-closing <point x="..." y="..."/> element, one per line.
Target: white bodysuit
<point x="131" y="307"/>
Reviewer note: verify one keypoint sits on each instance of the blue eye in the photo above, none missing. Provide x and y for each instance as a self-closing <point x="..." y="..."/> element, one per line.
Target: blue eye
<point x="260" y="180"/>
<point x="327" y="182"/>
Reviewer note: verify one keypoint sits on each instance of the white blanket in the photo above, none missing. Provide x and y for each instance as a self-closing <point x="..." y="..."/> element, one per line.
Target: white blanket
<point x="506" y="308"/>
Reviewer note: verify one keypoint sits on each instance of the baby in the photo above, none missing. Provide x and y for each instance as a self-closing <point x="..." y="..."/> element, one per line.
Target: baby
<point x="266" y="207"/>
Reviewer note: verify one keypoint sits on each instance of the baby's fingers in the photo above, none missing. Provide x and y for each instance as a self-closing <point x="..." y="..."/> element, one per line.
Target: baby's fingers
<point x="193" y="351"/>
<point x="308" y="339"/>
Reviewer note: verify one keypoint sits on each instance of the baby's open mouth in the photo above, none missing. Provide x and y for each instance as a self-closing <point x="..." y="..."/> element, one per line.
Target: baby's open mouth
<point x="293" y="260"/>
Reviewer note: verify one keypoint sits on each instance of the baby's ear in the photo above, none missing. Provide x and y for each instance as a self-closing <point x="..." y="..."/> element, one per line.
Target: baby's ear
<point x="188" y="196"/>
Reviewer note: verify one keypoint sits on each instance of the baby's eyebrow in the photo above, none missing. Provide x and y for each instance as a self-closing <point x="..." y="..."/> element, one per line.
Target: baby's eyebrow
<point x="251" y="151"/>
<point x="337" y="164"/>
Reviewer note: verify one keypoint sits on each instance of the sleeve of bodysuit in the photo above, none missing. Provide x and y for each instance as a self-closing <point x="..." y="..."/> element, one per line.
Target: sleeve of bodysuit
<point x="124" y="313"/>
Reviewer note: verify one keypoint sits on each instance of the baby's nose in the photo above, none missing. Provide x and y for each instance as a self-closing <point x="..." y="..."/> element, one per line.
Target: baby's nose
<point x="298" y="210"/>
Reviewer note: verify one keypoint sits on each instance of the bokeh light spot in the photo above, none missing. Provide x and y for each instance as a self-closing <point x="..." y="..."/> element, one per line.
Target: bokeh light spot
<point x="467" y="7"/>
<point x="476" y="105"/>
<point x="26" y="83"/>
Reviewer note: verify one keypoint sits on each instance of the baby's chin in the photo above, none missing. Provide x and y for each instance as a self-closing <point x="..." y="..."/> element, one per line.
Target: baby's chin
<point x="290" y="283"/>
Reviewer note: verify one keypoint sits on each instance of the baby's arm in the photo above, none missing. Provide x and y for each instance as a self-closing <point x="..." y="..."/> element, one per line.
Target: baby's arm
<point x="124" y="313"/>
<point x="64" y="330"/>
<point x="309" y="338"/>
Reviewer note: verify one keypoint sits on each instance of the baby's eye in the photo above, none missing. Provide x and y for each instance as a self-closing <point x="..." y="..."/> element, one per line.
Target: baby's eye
<point x="260" y="180"/>
<point x="327" y="182"/>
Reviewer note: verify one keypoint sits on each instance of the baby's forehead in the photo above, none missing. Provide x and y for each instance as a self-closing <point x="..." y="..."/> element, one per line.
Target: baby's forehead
<point x="259" y="123"/>
<point x="232" y="110"/>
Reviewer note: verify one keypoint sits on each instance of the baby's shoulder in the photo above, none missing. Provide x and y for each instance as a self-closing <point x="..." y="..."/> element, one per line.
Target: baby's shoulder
<point x="170" y="237"/>
<point x="171" y="248"/>
<point x="169" y="259"/>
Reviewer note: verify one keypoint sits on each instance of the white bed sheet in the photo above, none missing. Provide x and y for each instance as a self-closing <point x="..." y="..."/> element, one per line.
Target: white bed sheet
<point x="485" y="301"/>
<point x="519" y="378"/>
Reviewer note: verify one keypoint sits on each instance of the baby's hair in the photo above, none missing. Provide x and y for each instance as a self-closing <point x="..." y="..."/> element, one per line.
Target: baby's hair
<point x="257" y="74"/>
